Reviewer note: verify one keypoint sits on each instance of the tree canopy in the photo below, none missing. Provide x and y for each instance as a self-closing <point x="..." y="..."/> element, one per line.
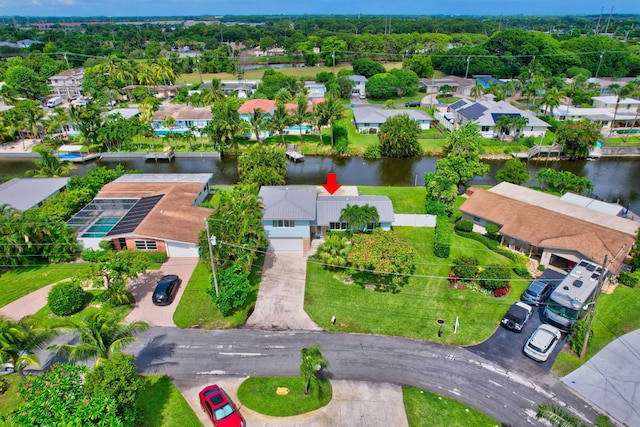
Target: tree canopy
<point x="398" y="137"/>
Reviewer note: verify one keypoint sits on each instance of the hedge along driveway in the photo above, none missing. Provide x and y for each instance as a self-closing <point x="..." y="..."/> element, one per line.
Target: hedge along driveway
<point x="414" y="311"/>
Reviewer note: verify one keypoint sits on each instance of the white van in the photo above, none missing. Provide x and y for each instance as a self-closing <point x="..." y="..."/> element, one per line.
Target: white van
<point x="54" y="102"/>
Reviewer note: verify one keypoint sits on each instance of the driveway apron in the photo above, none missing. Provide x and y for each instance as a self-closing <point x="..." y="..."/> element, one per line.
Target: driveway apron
<point x="142" y="289"/>
<point x="280" y="303"/>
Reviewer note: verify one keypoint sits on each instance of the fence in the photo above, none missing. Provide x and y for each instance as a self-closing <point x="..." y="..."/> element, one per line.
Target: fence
<point x="443" y="121"/>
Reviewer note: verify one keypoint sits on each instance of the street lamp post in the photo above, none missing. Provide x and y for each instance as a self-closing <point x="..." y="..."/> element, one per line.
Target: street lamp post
<point x="211" y="241"/>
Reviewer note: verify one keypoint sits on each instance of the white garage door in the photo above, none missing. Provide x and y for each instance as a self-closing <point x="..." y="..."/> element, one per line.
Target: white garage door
<point x="179" y="249"/>
<point x="285" y="244"/>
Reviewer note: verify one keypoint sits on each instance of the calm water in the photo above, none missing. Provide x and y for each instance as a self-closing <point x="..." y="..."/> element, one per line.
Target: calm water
<point x="613" y="179"/>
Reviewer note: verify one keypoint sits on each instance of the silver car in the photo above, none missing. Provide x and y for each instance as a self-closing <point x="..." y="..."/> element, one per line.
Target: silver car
<point x="542" y="341"/>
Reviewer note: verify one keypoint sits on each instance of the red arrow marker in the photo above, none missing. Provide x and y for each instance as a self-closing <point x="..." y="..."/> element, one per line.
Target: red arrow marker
<point x="331" y="186"/>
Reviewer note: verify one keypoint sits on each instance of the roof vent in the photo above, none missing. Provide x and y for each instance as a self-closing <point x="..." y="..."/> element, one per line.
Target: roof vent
<point x="565" y="287"/>
<point x="577" y="283"/>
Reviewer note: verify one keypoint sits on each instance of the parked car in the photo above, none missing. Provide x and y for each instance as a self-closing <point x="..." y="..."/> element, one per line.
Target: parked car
<point x="538" y="292"/>
<point x="541" y="343"/>
<point x="7" y="367"/>
<point x="166" y="289"/>
<point x="412" y="104"/>
<point x="220" y="409"/>
<point x="517" y="316"/>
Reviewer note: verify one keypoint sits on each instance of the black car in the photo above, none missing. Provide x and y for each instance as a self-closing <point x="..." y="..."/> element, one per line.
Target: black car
<point x="412" y="104"/>
<point x="166" y="289"/>
<point x="517" y="316"/>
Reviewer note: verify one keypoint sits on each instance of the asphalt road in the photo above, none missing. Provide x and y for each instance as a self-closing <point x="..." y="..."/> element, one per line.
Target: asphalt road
<point x="510" y="397"/>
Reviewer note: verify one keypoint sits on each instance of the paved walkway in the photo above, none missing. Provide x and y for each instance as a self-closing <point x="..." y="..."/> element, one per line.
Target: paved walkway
<point x="353" y="404"/>
<point x="28" y="304"/>
<point x="143" y="287"/>
<point x="280" y="303"/>
<point x="610" y="379"/>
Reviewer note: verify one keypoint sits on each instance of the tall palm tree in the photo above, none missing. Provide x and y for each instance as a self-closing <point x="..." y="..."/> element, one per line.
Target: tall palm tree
<point x="477" y="91"/>
<point x="19" y="340"/>
<point x="258" y="119"/>
<point x="100" y="335"/>
<point x="145" y="75"/>
<point x="280" y="120"/>
<point x="312" y="362"/>
<point x="616" y="89"/>
<point x="300" y="115"/>
<point x="163" y="71"/>
<point x="319" y="119"/>
<point x="333" y="111"/>
<point x="551" y="99"/>
<point x="57" y="122"/>
<point x="49" y="165"/>
<point x="283" y="95"/>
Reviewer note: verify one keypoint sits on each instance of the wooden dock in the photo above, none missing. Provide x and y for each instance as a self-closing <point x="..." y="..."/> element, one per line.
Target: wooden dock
<point x="293" y="154"/>
<point x="540" y="151"/>
<point x="166" y="155"/>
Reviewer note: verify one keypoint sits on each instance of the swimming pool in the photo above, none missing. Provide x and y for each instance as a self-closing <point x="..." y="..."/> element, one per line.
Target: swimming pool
<point x="297" y="129"/>
<point x="69" y="156"/>
<point x="162" y="132"/>
<point x="101" y="227"/>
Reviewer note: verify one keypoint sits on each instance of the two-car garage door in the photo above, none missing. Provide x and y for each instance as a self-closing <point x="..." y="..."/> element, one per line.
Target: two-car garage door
<point x="285" y="244"/>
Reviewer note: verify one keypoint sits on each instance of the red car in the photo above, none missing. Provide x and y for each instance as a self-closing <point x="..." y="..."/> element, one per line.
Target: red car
<point x="220" y="408"/>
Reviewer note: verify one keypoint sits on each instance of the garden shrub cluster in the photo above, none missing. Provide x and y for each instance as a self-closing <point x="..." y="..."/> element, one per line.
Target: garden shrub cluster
<point x="66" y="298"/>
<point x="629" y="279"/>
<point x="434" y="207"/>
<point x="234" y="289"/>
<point x="494" y="277"/>
<point x="489" y="243"/>
<point x="465" y="267"/>
<point x="464" y="225"/>
<point x="442" y="244"/>
<point x="158" y="257"/>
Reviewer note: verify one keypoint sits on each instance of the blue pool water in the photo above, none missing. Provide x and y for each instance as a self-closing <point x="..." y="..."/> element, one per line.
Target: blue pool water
<point x="297" y="129"/>
<point x="68" y="156"/>
<point x="162" y="132"/>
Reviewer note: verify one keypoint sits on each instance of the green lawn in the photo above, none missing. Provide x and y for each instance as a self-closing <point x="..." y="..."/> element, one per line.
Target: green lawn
<point x="196" y="309"/>
<point x="413" y="311"/>
<point x="10" y="400"/>
<point x="259" y="394"/>
<point x="427" y="409"/>
<point x="405" y="200"/>
<point x="162" y="405"/>
<point x="19" y="282"/>
<point x="614" y="318"/>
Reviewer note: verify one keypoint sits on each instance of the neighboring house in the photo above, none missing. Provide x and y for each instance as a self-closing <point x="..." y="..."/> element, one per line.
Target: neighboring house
<point x="486" y="113"/>
<point x="459" y="85"/>
<point x="185" y="116"/>
<point x="486" y="80"/>
<point x="243" y="88"/>
<point x="125" y="113"/>
<point x="293" y="215"/>
<point x="28" y="193"/>
<point x="629" y="106"/>
<point x="554" y="230"/>
<point x="603" y="112"/>
<point x="159" y="91"/>
<point x="359" y="83"/>
<point x="605" y="82"/>
<point x="149" y="212"/>
<point x="67" y="84"/>
<point x="367" y="118"/>
<point x="316" y="90"/>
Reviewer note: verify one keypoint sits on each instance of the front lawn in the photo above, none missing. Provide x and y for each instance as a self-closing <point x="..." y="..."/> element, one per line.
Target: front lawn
<point x="196" y="309"/>
<point x="162" y="405"/>
<point x="405" y="200"/>
<point x="413" y="312"/>
<point x="10" y="400"/>
<point x="19" y="282"/>
<point x="427" y="409"/>
<point x="259" y="394"/>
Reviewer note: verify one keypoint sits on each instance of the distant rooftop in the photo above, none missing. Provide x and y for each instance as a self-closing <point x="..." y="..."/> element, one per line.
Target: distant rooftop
<point x="27" y="193"/>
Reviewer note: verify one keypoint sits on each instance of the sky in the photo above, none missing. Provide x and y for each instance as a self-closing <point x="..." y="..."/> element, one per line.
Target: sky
<point x="286" y="7"/>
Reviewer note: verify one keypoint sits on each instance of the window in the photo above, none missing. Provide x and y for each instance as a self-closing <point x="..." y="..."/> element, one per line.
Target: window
<point x="484" y="129"/>
<point x="146" y="245"/>
<point x="284" y="223"/>
<point x="338" y="226"/>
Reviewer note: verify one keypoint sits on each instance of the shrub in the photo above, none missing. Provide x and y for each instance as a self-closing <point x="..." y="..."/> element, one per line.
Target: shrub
<point x="372" y="152"/>
<point x="4" y="386"/>
<point x="492" y="231"/>
<point x="541" y="267"/>
<point x="91" y="255"/>
<point x="527" y="141"/>
<point x="576" y="340"/>
<point x="491" y="244"/>
<point x="494" y="277"/>
<point x="65" y="298"/>
<point x="465" y="267"/>
<point x="442" y="244"/>
<point x="373" y="131"/>
<point x="502" y="292"/>
<point x="629" y="279"/>
<point x="464" y="225"/>
<point x="234" y="289"/>
<point x="522" y="270"/>
<point x="433" y="207"/>
<point x="158" y="257"/>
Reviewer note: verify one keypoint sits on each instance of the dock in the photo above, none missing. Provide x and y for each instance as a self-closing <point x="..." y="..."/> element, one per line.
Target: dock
<point x="539" y="151"/>
<point x="293" y="154"/>
<point x="166" y="155"/>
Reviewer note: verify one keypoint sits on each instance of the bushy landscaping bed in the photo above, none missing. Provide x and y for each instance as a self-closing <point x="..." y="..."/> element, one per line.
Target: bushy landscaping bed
<point x="413" y="311"/>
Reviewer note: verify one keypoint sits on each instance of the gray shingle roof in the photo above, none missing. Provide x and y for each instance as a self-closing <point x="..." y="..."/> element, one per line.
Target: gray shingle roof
<point x="330" y="207"/>
<point x="378" y="115"/>
<point x="25" y="193"/>
<point x="296" y="203"/>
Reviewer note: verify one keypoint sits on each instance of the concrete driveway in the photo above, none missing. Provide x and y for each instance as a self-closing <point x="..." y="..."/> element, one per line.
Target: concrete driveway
<point x="354" y="403"/>
<point x="142" y="289"/>
<point x="280" y="303"/>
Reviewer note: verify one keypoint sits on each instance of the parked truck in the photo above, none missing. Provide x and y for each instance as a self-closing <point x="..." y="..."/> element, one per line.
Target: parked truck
<point x="54" y="102"/>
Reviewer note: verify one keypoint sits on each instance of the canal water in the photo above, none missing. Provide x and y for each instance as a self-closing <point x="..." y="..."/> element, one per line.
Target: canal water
<point x="614" y="179"/>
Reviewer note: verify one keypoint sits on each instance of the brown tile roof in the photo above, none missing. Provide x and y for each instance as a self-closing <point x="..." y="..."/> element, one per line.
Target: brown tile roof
<point x="183" y="112"/>
<point x="173" y="218"/>
<point x="266" y="105"/>
<point x="548" y="229"/>
<point x="74" y="73"/>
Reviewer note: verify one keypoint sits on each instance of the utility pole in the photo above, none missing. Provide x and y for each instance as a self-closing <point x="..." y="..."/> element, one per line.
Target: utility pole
<point x="211" y="241"/>
<point x="466" y="73"/>
<point x="593" y="307"/>
<point x="599" y="63"/>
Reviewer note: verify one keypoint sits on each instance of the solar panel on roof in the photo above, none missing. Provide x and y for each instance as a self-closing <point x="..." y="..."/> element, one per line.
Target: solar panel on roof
<point x="458" y="104"/>
<point x="496" y="116"/>
<point x="473" y="112"/>
<point x="136" y="214"/>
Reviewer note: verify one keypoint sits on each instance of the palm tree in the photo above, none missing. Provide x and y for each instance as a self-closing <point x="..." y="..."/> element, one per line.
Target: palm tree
<point x="283" y="95"/>
<point x="359" y="217"/>
<point x="520" y="123"/>
<point x="57" y="122"/>
<point x="477" y="91"/>
<point x="551" y="99"/>
<point x="258" y="119"/>
<point x="100" y="335"/>
<point x="163" y="71"/>
<point x="616" y="89"/>
<point x="19" y="341"/>
<point x="503" y="125"/>
<point x="333" y="111"/>
<point x="226" y="123"/>
<point x="319" y="119"/>
<point x="334" y="251"/>
<point x="280" y="120"/>
<point x="49" y="165"/>
<point x="311" y="365"/>
<point x="145" y="75"/>
<point x="300" y="115"/>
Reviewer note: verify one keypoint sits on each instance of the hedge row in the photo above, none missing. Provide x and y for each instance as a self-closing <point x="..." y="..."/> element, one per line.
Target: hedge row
<point x="442" y="244"/>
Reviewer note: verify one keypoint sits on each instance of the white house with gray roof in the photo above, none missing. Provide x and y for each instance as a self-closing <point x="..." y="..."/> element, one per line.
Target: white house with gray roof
<point x="292" y="215"/>
<point x="359" y="84"/>
<point x="27" y="193"/>
<point x="486" y="113"/>
<point x="367" y="118"/>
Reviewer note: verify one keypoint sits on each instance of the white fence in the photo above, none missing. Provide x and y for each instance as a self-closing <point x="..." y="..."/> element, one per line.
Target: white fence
<point x="443" y="121"/>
